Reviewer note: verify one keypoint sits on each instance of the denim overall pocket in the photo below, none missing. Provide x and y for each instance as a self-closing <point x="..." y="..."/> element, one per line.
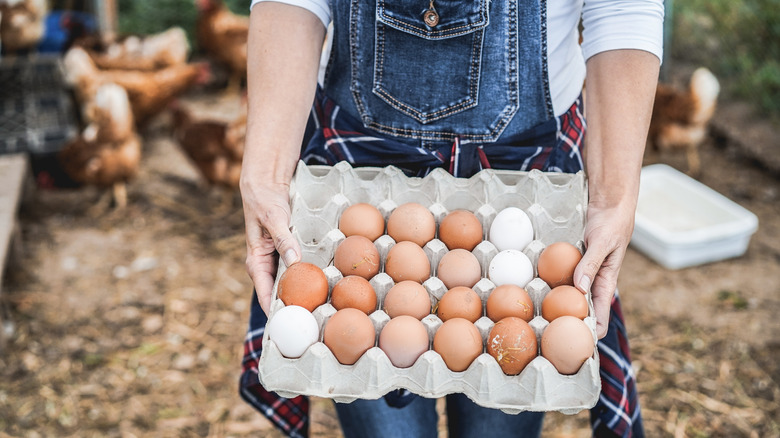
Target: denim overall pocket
<point x="442" y="57"/>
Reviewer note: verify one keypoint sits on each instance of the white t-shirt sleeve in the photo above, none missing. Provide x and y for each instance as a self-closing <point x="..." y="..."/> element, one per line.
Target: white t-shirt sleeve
<point x="622" y="24"/>
<point x="319" y="8"/>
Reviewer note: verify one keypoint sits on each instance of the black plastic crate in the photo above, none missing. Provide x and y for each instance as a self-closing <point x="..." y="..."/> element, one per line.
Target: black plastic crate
<point x="36" y="108"/>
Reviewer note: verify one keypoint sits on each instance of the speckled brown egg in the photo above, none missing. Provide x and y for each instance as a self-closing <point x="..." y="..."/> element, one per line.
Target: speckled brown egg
<point x="567" y="343"/>
<point x="348" y="334"/>
<point x="458" y="342"/>
<point x="407" y="298"/>
<point x="460" y="229"/>
<point x="353" y="291"/>
<point x="512" y="342"/>
<point x="564" y="300"/>
<point x="459" y="302"/>
<point x="407" y="261"/>
<point x="509" y="300"/>
<point x="303" y="284"/>
<point x="357" y="255"/>
<point x="362" y="219"/>
<point x="412" y="222"/>
<point x="557" y="263"/>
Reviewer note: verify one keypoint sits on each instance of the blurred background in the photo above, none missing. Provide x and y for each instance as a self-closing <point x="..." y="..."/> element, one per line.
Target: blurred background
<point x="124" y="299"/>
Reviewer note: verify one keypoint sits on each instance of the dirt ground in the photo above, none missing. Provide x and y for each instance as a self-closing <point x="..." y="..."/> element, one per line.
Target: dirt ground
<point x="129" y="323"/>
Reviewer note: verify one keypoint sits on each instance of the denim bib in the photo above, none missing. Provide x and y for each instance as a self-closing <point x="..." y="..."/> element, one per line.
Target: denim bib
<point x="442" y="69"/>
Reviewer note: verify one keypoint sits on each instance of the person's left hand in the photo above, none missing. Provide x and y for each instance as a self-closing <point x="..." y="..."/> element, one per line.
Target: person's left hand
<point x="607" y="234"/>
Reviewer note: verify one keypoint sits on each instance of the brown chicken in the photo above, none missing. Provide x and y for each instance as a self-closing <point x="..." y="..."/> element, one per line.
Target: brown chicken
<point x="216" y="148"/>
<point x="108" y="151"/>
<point x="149" y="91"/>
<point x="22" y="24"/>
<point x="680" y="117"/>
<point x="223" y="36"/>
<point x="147" y="53"/>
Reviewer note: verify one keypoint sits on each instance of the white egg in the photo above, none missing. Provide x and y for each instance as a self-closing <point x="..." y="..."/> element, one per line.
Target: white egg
<point x="511" y="267"/>
<point x="511" y="229"/>
<point x="293" y="329"/>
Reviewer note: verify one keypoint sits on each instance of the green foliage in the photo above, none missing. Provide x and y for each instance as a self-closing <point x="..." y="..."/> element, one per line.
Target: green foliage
<point x="152" y="16"/>
<point x="738" y="40"/>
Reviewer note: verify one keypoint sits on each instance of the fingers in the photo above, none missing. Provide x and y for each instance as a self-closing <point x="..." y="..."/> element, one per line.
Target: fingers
<point x="597" y="272"/>
<point x="277" y="227"/>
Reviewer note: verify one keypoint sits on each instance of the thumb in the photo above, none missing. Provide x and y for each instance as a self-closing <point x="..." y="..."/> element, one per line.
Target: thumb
<point x="286" y="244"/>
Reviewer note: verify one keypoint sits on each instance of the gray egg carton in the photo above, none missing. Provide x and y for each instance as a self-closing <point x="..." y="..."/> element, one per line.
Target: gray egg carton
<point x="555" y="203"/>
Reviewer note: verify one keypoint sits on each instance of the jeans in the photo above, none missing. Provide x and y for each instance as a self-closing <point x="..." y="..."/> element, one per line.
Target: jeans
<point x="418" y="419"/>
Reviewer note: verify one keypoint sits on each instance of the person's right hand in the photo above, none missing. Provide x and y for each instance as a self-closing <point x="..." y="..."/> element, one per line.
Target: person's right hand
<point x="267" y="221"/>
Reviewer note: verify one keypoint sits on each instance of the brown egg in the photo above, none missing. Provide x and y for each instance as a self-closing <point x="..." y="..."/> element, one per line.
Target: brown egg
<point x="354" y="291"/>
<point x="407" y="261"/>
<point x="407" y="298"/>
<point x="557" y="262"/>
<point x="348" y="334"/>
<point x="458" y="342"/>
<point x="357" y="255"/>
<point x="460" y="302"/>
<point x="303" y="284"/>
<point x="412" y="222"/>
<point x="362" y="219"/>
<point x="564" y="300"/>
<point x="567" y="343"/>
<point x="459" y="267"/>
<point x="403" y="339"/>
<point x="509" y="300"/>
<point x="460" y="229"/>
<point x="512" y="342"/>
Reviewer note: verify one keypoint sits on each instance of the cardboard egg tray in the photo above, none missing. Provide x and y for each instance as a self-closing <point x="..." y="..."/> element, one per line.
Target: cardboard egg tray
<point x="555" y="203"/>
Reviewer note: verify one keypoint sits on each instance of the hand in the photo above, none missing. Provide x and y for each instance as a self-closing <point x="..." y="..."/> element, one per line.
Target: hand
<point x="607" y="235"/>
<point x="267" y="221"/>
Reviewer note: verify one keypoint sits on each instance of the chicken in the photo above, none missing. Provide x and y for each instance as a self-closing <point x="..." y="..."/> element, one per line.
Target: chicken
<point x="22" y="24"/>
<point x="680" y="118"/>
<point x="216" y="148"/>
<point x="223" y="36"/>
<point x="108" y="151"/>
<point x="152" y="52"/>
<point x="149" y="91"/>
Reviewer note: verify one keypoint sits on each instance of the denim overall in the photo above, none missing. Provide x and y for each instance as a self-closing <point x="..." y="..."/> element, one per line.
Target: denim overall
<point x="421" y="84"/>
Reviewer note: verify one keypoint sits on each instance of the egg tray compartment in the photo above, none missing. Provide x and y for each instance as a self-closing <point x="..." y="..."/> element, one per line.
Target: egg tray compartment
<point x="319" y="194"/>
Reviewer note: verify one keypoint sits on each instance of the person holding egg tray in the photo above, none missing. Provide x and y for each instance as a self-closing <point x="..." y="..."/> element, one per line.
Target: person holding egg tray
<point x="424" y="84"/>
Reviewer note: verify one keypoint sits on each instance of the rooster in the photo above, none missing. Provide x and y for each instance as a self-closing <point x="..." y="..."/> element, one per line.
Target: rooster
<point x="216" y="148"/>
<point x="149" y="91"/>
<point x="108" y="151"/>
<point x="223" y="36"/>
<point x="22" y="24"/>
<point x="680" y="118"/>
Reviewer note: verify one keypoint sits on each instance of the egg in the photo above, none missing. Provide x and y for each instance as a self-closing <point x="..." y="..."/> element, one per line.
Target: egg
<point x="362" y="219"/>
<point x="407" y="261"/>
<point x="407" y="298"/>
<point x="557" y="262"/>
<point x="512" y="342"/>
<point x="357" y="255"/>
<point x="348" y="334"/>
<point x="404" y="339"/>
<point x="564" y="300"/>
<point x="459" y="302"/>
<point x="511" y="266"/>
<point x="458" y="342"/>
<point x="460" y="229"/>
<point x="293" y="329"/>
<point x="567" y="343"/>
<point x="459" y="267"/>
<point x="303" y="284"/>
<point x="412" y="222"/>
<point x="354" y="291"/>
<point x="509" y="300"/>
<point x="511" y="229"/>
